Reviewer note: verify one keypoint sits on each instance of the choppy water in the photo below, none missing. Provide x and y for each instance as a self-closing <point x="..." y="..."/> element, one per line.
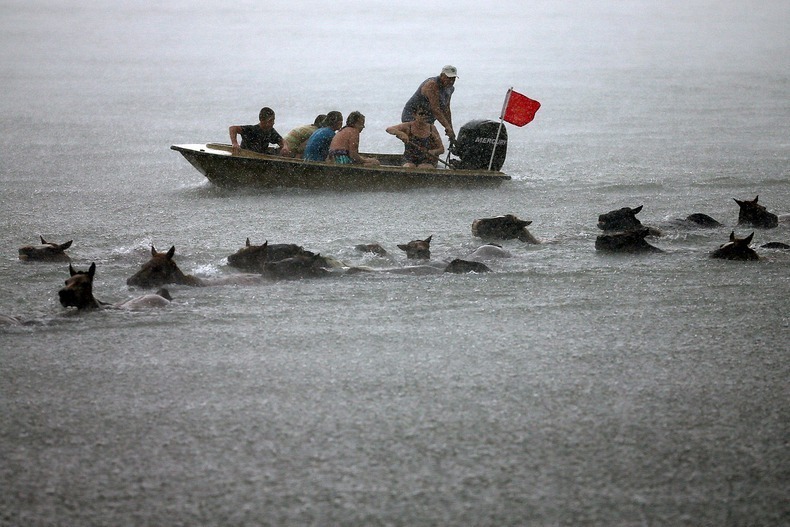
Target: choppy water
<point x="565" y="388"/>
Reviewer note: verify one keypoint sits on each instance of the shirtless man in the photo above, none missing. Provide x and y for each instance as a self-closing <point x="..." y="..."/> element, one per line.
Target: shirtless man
<point x="344" y="148"/>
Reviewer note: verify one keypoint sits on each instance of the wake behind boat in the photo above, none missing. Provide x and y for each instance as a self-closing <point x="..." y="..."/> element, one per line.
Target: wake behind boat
<point x="251" y="169"/>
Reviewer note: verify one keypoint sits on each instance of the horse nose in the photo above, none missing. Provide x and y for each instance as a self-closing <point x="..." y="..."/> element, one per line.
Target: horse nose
<point x="65" y="296"/>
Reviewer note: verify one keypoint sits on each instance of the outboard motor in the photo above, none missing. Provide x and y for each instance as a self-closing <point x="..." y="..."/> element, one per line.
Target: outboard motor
<point x="474" y="143"/>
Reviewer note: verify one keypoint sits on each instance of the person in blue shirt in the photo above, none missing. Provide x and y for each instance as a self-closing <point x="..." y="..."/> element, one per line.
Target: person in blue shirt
<point x="317" y="148"/>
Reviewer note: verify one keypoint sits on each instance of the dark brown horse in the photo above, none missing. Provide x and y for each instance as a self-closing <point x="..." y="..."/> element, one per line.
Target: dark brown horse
<point x="301" y="266"/>
<point x="753" y="214"/>
<point x="46" y="252"/>
<point x="460" y="266"/>
<point x="631" y="241"/>
<point x="161" y="269"/>
<point x="736" y="249"/>
<point x="624" y="220"/>
<point x="507" y="227"/>
<point x="699" y="219"/>
<point x="253" y="257"/>
<point x="78" y="292"/>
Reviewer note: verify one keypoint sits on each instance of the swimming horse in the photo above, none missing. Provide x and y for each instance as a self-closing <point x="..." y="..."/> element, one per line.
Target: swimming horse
<point x="161" y="269"/>
<point x="417" y="249"/>
<point x="46" y="252"/>
<point x="753" y="214"/>
<point x="253" y="257"/>
<point x="507" y="227"/>
<point x="630" y="241"/>
<point x="624" y="219"/>
<point x="736" y="249"/>
<point x="78" y="292"/>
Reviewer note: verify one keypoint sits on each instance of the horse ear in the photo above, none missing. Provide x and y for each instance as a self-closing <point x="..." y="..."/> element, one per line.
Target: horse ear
<point x="153" y="250"/>
<point x="637" y="210"/>
<point x="428" y="239"/>
<point x="247" y="244"/>
<point x="92" y="269"/>
<point x="748" y="239"/>
<point x="756" y="198"/>
<point x="72" y="272"/>
<point x="43" y="241"/>
<point x="732" y="236"/>
<point x="171" y="252"/>
<point x="65" y="246"/>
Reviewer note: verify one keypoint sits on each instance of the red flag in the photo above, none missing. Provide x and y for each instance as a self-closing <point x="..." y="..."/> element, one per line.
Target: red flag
<point x="519" y="109"/>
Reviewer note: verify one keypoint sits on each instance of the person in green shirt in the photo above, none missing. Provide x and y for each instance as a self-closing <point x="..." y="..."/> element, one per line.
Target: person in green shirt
<point x="296" y="139"/>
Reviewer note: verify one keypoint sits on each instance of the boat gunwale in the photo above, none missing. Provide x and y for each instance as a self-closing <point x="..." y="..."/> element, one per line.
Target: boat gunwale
<point x="221" y="149"/>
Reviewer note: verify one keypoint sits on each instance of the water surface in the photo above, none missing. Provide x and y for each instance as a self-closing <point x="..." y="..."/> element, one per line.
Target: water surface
<point x="565" y="388"/>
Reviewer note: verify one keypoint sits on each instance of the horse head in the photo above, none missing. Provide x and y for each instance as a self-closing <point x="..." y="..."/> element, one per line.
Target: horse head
<point x="753" y="214"/>
<point x="507" y="227"/>
<point x="249" y="257"/>
<point x="46" y="252"/>
<point x="78" y="291"/>
<point x="736" y="249"/>
<point x="161" y="269"/>
<point x="417" y="249"/>
<point x="620" y="220"/>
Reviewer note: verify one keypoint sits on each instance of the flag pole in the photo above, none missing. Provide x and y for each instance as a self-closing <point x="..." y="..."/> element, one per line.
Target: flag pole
<point x="499" y="130"/>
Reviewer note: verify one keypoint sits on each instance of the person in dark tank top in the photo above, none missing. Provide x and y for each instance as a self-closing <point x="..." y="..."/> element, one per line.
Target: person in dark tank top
<point x="423" y="145"/>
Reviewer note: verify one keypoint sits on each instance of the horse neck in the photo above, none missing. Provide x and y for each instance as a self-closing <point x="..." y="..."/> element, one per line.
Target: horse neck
<point x="188" y="279"/>
<point x="94" y="303"/>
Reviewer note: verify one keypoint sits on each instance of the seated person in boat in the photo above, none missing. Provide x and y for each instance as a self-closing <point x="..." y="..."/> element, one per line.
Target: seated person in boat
<point x="344" y="148"/>
<point x="317" y="147"/>
<point x="296" y="139"/>
<point x="423" y="145"/>
<point x="257" y="137"/>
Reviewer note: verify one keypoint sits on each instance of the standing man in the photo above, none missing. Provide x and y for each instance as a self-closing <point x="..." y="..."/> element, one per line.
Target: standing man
<point x="434" y="93"/>
<point x="257" y="137"/>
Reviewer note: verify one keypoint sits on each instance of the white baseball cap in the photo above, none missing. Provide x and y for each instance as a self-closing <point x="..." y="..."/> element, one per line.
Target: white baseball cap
<point x="450" y="71"/>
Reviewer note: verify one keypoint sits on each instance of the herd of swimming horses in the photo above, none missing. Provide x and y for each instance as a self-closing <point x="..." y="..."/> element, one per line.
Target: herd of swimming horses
<point x="623" y="232"/>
